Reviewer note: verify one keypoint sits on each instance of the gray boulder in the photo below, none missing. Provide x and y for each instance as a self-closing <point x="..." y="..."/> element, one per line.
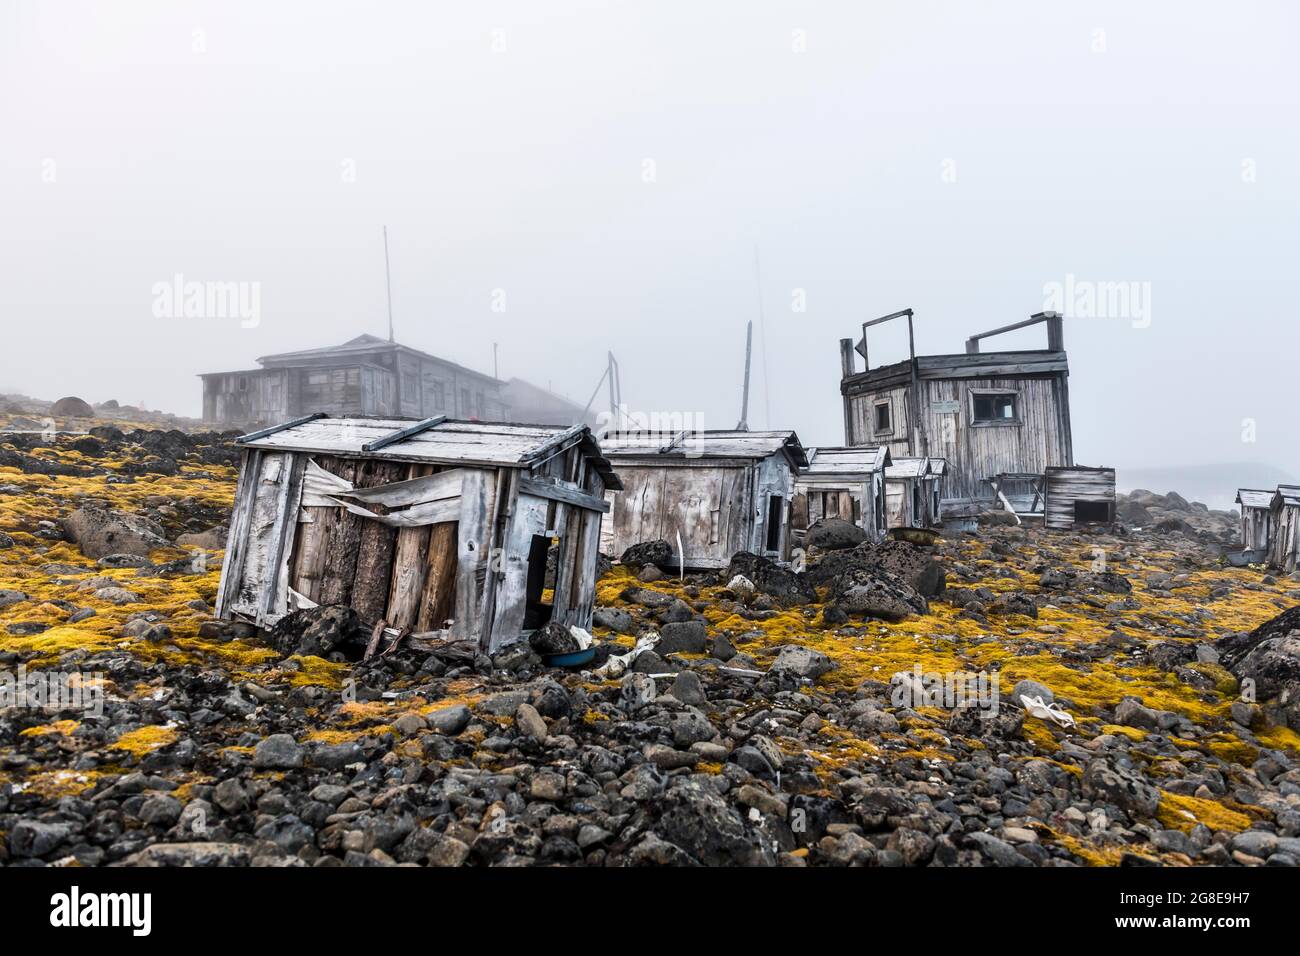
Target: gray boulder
<point x="99" y="532"/>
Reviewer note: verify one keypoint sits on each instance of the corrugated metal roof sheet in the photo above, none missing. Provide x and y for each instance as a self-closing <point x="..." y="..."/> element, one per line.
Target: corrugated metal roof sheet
<point x="448" y="442"/>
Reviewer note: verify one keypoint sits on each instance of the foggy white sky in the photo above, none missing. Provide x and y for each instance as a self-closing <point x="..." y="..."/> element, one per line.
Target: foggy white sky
<point x="212" y="140"/>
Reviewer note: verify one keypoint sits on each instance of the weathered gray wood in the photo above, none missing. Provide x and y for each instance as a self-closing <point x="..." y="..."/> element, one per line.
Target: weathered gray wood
<point x="555" y="492"/>
<point x="232" y="568"/>
<point x="472" y="544"/>
<point x="274" y="599"/>
<point x="373" y="580"/>
<point x="410" y="567"/>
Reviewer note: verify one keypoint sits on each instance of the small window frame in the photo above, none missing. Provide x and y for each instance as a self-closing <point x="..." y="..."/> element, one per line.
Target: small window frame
<point x="977" y="393"/>
<point x="888" y="407"/>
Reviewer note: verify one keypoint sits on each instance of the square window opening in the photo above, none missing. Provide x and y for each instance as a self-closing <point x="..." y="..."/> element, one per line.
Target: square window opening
<point x="995" y="408"/>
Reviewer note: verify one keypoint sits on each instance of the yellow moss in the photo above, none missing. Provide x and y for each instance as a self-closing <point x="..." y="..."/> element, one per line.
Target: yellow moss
<point x="1180" y="812"/>
<point x="1118" y="730"/>
<point x="708" y="768"/>
<point x="57" y="784"/>
<point x="60" y="728"/>
<point x="145" y="740"/>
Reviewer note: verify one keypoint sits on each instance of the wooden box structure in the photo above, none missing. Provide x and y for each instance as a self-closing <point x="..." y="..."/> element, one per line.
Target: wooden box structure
<point x="910" y="488"/>
<point x="1077" y="496"/>
<point x="1256" y="515"/>
<point x="426" y="525"/>
<point x="986" y="413"/>
<point x="1284" y="528"/>
<point x="722" y="491"/>
<point x="846" y="483"/>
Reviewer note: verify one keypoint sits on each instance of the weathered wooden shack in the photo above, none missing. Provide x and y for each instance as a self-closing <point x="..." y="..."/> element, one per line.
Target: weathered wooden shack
<point x="721" y="491"/>
<point x="986" y="413"/>
<point x="909" y="489"/>
<point x="1256" y="516"/>
<point x="425" y="525"/>
<point x="846" y="483"/>
<point x="1078" y="496"/>
<point x="1284" y="528"/>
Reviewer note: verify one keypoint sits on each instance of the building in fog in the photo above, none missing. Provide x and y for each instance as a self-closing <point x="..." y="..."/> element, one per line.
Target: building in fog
<point x="987" y="413"/>
<point x="367" y="376"/>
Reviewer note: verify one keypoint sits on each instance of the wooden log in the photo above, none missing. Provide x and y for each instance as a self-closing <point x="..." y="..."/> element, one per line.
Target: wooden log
<point x="339" y="563"/>
<point x="375" y="549"/>
<point x="410" y="568"/>
<point x="438" y="596"/>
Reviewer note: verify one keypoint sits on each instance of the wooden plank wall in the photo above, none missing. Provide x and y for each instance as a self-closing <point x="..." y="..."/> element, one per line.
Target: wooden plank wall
<point x="1040" y="440"/>
<point x="1063" y="488"/>
<point x="712" y="505"/>
<point x="405" y="576"/>
<point x="473" y="571"/>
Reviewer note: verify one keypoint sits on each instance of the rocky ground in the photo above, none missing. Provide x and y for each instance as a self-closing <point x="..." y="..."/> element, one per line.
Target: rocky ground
<point x="770" y="717"/>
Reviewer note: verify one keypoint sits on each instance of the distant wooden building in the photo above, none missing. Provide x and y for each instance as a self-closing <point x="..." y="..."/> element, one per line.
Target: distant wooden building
<point x="986" y="413"/>
<point x="910" y="494"/>
<point x="426" y="525"/>
<point x="847" y="483"/>
<point x="1077" y="496"/>
<point x="1284" y="528"/>
<point x="363" y="376"/>
<point x="722" y="491"/>
<point x="1256" y="515"/>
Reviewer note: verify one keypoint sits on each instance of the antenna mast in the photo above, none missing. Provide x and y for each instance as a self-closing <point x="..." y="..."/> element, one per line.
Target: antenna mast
<point x="762" y="328"/>
<point x="388" y="285"/>
<point x="743" y="424"/>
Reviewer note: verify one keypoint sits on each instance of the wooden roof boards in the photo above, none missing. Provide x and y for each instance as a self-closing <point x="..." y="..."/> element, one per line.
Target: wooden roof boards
<point x="1254" y="498"/>
<point x="847" y="461"/>
<point x="704" y="445"/>
<point x="445" y="442"/>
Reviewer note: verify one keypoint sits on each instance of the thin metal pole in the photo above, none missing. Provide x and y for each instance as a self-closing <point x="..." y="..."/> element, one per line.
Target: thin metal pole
<point x="743" y="424"/>
<point x="388" y="285"/>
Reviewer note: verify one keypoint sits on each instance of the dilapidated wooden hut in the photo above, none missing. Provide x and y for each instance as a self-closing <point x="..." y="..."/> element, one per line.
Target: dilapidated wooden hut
<point x="986" y="413"/>
<point x="909" y="488"/>
<point x="1284" y="528"/>
<point x="847" y="483"/>
<point x="425" y="525"/>
<point x="721" y="491"/>
<point x="1256" y="515"/>
<point x="1076" y="496"/>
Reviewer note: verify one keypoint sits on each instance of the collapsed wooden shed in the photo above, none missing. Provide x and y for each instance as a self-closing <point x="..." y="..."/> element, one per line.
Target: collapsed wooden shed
<point x="1256" y="516"/>
<point x="847" y="483"/>
<point x="426" y="525"/>
<point x="721" y="491"/>
<point x="1284" y="528"/>
<point x="909" y="493"/>
<point x="1075" y="496"/>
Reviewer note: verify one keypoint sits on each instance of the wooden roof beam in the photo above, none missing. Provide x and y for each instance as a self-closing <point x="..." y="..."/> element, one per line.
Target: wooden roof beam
<point x="1055" y="334"/>
<point x="403" y="433"/>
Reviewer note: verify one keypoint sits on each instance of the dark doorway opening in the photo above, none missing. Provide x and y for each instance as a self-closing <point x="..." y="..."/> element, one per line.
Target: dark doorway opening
<point x="1085" y="511"/>
<point x="775" y="506"/>
<point x="536" y="610"/>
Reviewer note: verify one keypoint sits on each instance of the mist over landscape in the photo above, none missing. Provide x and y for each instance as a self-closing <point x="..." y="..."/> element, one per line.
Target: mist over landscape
<point x="580" y="180"/>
